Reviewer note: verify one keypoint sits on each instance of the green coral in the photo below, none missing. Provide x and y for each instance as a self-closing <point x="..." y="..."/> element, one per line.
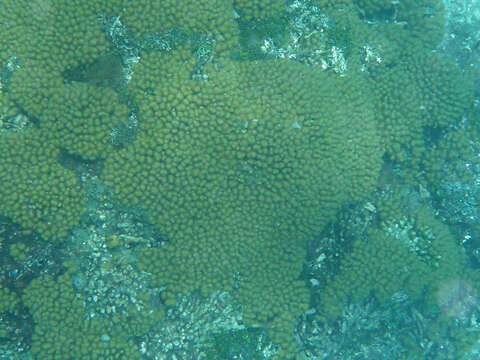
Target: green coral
<point x="9" y="300"/>
<point x="62" y="330"/>
<point x="413" y="255"/>
<point x="231" y="170"/>
<point x="259" y="9"/>
<point x="375" y="8"/>
<point x="453" y="159"/>
<point x="37" y="192"/>
<point x="19" y="251"/>
<point x="31" y="87"/>
<point x="51" y="33"/>
<point x="63" y="117"/>
<point x="80" y="119"/>
<point x="418" y="92"/>
<point x="411" y="23"/>
<point x="248" y="344"/>
<point x="10" y="309"/>
<point x="207" y="18"/>
<point x="239" y="164"/>
<point x="253" y="34"/>
<point x="423" y="21"/>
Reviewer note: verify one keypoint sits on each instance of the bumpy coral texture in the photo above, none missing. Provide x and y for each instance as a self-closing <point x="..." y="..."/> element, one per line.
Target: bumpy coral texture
<point x="37" y="192"/>
<point x="239" y="171"/>
<point x="412" y="255"/>
<point x="63" y="332"/>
